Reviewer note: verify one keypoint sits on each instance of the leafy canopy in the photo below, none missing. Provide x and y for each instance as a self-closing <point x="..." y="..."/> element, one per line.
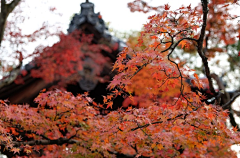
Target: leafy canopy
<point x="169" y="119"/>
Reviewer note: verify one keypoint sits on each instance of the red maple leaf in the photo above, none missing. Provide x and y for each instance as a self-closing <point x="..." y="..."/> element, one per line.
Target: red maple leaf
<point x="166" y="7"/>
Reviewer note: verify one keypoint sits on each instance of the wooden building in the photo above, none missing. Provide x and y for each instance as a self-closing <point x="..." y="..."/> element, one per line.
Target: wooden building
<point x="88" y="22"/>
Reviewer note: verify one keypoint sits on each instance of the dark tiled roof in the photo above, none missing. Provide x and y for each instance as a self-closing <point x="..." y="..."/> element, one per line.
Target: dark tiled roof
<point x="87" y="15"/>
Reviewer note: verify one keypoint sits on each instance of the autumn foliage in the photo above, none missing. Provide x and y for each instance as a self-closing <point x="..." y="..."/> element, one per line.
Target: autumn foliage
<point x="64" y="61"/>
<point x="160" y="117"/>
<point x="70" y="122"/>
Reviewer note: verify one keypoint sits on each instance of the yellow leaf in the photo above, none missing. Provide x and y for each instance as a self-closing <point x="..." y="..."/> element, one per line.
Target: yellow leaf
<point x="153" y="145"/>
<point x="160" y="146"/>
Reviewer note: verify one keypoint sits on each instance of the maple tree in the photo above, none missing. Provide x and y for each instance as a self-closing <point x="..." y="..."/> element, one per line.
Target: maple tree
<point x="63" y="61"/>
<point x="161" y="116"/>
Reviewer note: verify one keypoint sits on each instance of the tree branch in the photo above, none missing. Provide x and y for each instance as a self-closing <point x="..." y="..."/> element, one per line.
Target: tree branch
<point x="169" y="119"/>
<point x="6" y="9"/>
<point x="226" y="96"/>
<point x="200" y="45"/>
<point x="228" y="104"/>
<point x="59" y="141"/>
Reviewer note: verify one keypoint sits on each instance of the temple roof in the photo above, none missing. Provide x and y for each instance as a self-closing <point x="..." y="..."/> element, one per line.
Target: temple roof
<point x="87" y="15"/>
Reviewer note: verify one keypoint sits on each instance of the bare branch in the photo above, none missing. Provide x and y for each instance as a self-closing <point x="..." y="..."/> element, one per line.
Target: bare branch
<point x="232" y="120"/>
<point x="169" y="119"/>
<point x="200" y="45"/>
<point x="59" y="141"/>
<point x="6" y="9"/>
<point x="12" y="5"/>
<point x="226" y="96"/>
<point x="228" y="104"/>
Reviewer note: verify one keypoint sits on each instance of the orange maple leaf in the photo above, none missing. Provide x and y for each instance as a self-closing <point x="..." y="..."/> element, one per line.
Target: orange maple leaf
<point x="15" y="150"/>
<point x="196" y="76"/>
<point x="183" y="43"/>
<point x="110" y="105"/>
<point x="105" y="99"/>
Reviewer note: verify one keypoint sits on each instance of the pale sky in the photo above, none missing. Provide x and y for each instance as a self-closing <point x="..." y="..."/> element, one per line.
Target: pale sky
<point x="113" y="11"/>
